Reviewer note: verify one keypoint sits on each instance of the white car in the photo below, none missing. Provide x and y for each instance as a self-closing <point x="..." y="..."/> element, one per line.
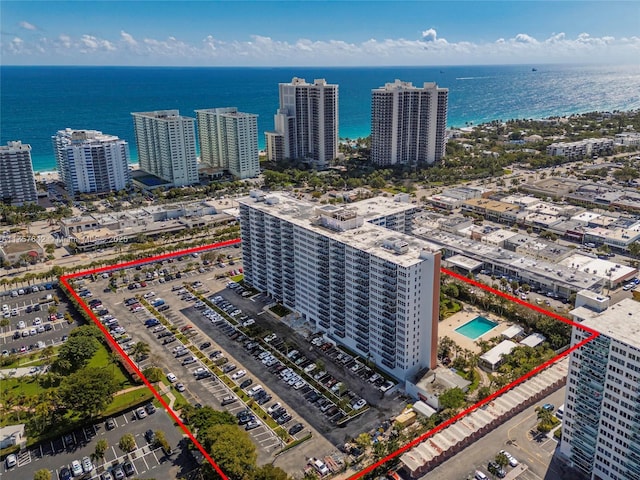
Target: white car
<point x="512" y="460"/>
<point x="238" y="374"/>
<point x="180" y="387"/>
<point x="11" y="461"/>
<point x="76" y="468"/>
<point x="21" y="325"/>
<point x="172" y="378"/>
<point x="273" y="408"/>
<point x="37" y="321"/>
<point x="248" y="323"/>
<point x="87" y="465"/>
<point x="270" y="338"/>
<point x="359" y="404"/>
<point x="141" y="413"/>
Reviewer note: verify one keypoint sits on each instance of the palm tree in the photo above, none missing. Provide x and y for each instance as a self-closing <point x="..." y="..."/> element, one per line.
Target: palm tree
<point x="140" y="349"/>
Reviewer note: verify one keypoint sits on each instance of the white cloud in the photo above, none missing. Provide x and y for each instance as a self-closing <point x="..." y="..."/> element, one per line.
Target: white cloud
<point x="27" y="26"/>
<point x="128" y="39"/>
<point x="258" y="49"/>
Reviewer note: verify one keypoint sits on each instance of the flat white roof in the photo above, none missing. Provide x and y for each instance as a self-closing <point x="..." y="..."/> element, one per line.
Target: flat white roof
<point x="512" y="331"/>
<point x="533" y="340"/>
<point x="620" y="321"/>
<point x="597" y="267"/>
<point x="423" y="409"/>
<point x="494" y="355"/>
<point x="464" y="262"/>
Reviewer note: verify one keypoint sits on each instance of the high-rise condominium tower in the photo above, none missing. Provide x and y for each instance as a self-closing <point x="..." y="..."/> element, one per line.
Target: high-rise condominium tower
<point x="408" y="124"/>
<point x="352" y="273"/>
<point x="91" y="162"/>
<point x="229" y="140"/>
<point x="17" y="182"/>
<point x="601" y="424"/>
<point x="167" y="146"/>
<point x="306" y="124"/>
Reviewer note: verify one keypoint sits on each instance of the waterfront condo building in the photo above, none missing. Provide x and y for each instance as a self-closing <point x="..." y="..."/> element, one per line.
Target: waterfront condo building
<point x="229" y="140"/>
<point x="17" y="182"/>
<point x="408" y="124"/>
<point x="601" y="424"/>
<point x="306" y="123"/>
<point x="351" y="272"/>
<point x="166" y="144"/>
<point x="90" y="161"/>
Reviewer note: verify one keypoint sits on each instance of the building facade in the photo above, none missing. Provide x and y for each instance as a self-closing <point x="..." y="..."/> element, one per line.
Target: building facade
<point x="408" y="124"/>
<point x="601" y="424"/>
<point x="370" y="288"/>
<point x="229" y="140"/>
<point x="166" y="144"/>
<point x="306" y="124"/>
<point x="91" y="162"/>
<point x="17" y="182"/>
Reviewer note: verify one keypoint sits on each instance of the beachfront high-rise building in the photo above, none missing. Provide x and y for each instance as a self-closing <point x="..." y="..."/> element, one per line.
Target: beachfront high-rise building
<point x="91" y="162"/>
<point x="229" y="140"/>
<point x="306" y="124"/>
<point x="408" y="124"/>
<point x="350" y="272"/>
<point x="17" y="182"/>
<point x="601" y="424"/>
<point x="166" y="144"/>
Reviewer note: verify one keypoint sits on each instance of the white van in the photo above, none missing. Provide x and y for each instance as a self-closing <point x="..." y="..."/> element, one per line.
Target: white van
<point x="321" y="467"/>
<point x="480" y="476"/>
<point x="251" y="392"/>
<point x="560" y="412"/>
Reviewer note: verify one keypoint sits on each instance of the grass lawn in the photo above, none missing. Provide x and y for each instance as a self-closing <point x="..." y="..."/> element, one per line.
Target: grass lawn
<point x="101" y="359"/>
<point x="237" y="278"/>
<point x="17" y="386"/>
<point x="128" y="400"/>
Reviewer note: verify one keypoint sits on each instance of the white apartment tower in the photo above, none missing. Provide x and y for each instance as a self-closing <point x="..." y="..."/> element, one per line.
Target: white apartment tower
<point x="17" y="182"/>
<point x="229" y="140"/>
<point x="408" y="124"/>
<point x="601" y="425"/>
<point x="167" y="146"/>
<point x="91" y="162"/>
<point x="306" y="124"/>
<point x="368" y="287"/>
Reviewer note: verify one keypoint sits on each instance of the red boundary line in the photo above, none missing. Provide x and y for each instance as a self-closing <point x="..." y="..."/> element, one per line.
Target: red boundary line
<point x="504" y="389"/>
<point x="64" y="279"/>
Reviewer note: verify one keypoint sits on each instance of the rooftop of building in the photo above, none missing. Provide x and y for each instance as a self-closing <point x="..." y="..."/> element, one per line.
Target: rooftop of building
<point x="441" y="379"/>
<point x="494" y="355"/>
<point x="15" y="146"/>
<point x="13" y="248"/>
<point x="620" y="321"/>
<point x="162" y="115"/>
<point x="87" y="136"/>
<point x="597" y="266"/>
<point x="396" y="247"/>
<point x="493" y="205"/>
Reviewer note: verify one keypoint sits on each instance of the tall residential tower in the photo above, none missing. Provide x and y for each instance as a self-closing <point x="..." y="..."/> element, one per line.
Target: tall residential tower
<point x="601" y="424"/>
<point x="408" y="124"/>
<point x="351" y="272"/>
<point x="91" y="162"/>
<point x="306" y="124"/>
<point x="17" y="182"/>
<point x="167" y="146"/>
<point x="229" y="140"/>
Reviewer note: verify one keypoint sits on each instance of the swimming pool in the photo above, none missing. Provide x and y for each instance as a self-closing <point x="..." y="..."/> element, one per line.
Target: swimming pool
<point x="477" y="327"/>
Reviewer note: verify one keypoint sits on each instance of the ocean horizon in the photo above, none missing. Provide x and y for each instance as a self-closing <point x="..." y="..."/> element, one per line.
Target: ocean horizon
<point x="37" y="101"/>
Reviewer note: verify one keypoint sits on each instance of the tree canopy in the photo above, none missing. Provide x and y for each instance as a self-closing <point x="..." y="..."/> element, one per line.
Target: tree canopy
<point x="233" y="450"/>
<point x="89" y="390"/>
<point x="76" y="352"/>
<point x="452" y="398"/>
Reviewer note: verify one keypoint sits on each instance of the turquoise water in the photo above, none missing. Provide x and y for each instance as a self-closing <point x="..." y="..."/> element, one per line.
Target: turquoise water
<point x="477" y="327"/>
<point x="36" y="102"/>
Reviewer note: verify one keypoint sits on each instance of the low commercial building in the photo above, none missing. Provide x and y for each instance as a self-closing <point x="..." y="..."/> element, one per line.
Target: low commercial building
<point x="12" y="435"/>
<point x="492" y="359"/>
<point x="430" y="386"/>
<point x="533" y="340"/>
<point x="21" y="249"/>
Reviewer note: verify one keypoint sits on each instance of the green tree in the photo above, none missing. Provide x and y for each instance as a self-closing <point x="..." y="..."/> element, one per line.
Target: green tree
<point x="205" y="417"/>
<point x="452" y="398"/>
<point x="42" y="474"/>
<point x="161" y="441"/>
<point x="77" y="351"/>
<point x="269" y="472"/>
<point x="233" y="450"/>
<point x="153" y="374"/>
<point x="502" y="460"/>
<point x="140" y="350"/>
<point x="127" y="443"/>
<point x="363" y="440"/>
<point x="89" y="390"/>
<point x="101" y="448"/>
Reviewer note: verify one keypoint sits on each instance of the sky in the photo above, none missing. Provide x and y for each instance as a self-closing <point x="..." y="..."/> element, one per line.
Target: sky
<point x="318" y="33"/>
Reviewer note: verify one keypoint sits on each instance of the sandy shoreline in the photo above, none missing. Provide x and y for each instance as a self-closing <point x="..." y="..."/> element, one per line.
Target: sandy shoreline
<point x="49" y="176"/>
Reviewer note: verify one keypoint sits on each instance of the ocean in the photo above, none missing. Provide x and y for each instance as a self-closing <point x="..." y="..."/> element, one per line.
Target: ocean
<point x="36" y="102"/>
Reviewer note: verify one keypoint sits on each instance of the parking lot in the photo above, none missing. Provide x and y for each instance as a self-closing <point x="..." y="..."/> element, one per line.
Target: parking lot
<point x="31" y="323"/>
<point x="308" y="405"/>
<point x="58" y="453"/>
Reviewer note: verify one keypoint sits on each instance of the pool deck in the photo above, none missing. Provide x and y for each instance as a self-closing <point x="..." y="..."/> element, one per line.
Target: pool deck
<point x="447" y="327"/>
